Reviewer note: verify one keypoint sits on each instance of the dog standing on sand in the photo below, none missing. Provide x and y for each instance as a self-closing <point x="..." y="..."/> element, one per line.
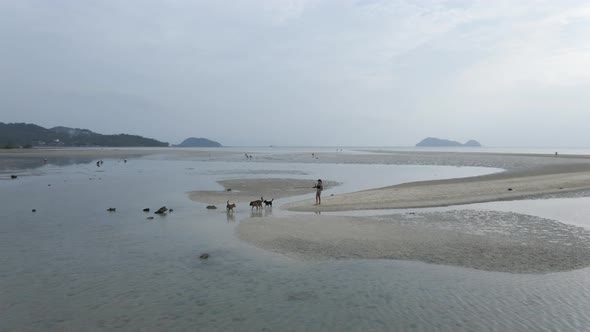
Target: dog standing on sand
<point x="256" y="204"/>
<point x="230" y="207"/>
<point x="268" y="203"/>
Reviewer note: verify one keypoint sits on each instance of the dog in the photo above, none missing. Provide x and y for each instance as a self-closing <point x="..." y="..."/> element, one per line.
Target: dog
<point x="230" y="207"/>
<point x="256" y="204"/>
<point x="268" y="203"/>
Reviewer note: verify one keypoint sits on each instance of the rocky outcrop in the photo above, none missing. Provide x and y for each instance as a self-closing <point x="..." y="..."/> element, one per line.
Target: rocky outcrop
<point x="437" y="142"/>
<point x="193" y="142"/>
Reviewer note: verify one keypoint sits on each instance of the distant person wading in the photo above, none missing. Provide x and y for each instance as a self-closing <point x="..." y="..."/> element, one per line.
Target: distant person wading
<point x="318" y="194"/>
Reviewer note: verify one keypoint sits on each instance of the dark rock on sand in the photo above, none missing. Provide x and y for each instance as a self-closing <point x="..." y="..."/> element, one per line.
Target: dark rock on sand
<point x="111" y="209"/>
<point x="14" y="176"/>
<point x="150" y="218"/>
<point x="211" y="207"/>
<point x="204" y="256"/>
<point x="161" y="210"/>
<point x="34" y="210"/>
<point x="146" y="210"/>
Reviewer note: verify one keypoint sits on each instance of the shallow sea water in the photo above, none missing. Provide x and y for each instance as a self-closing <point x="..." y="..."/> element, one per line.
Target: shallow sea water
<point x="74" y="266"/>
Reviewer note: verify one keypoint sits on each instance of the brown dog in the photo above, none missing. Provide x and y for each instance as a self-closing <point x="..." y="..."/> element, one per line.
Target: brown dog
<point x="256" y="204"/>
<point x="230" y="207"/>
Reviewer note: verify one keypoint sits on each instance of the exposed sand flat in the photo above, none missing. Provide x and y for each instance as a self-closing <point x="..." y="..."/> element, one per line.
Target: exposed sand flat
<point x="507" y="161"/>
<point x="246" y="190"/>
<point x="500" y="186"/>
<point x="106" y="152"/>
<point x="485" y="240"/>
<point x="33" y="158"/>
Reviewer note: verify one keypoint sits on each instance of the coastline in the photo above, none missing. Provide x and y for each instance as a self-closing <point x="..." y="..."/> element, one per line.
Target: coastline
<point x="246" y="190"/>
<point x="494" y="187"/>
<point x="491" y="241"/>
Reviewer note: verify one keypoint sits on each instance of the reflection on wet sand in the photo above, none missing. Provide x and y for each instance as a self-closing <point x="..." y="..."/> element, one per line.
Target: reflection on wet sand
<point x="22" y="162"/>
<point x="230" y="216"/>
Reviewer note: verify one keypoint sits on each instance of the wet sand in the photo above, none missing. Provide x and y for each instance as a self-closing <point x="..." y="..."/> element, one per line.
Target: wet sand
<point x="513" y="185"/>
<point x="484" y="240"/>
<point x="493" y="241"/>
<point x="246" y="190"/>
<point x="15" y="160"/>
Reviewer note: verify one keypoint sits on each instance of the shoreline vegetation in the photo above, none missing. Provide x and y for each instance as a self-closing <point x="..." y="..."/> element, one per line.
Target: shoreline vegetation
<point x="484" y="240"/>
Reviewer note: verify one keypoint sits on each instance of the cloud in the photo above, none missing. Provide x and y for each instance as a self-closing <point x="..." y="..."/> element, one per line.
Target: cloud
<point x="391" y="72"/>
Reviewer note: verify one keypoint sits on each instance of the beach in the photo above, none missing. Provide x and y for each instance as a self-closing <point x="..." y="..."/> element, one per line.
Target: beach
<point x="492" y="241"/>
<point x="489" y="241"/>
<point x="504" y="186"/>
<point x="247" y="190"/>
<point x="77" y="265"/>
<point x="524" y="176"/>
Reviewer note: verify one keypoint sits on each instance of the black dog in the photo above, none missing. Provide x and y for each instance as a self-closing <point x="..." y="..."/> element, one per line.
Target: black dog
<point x="268" y="203"/>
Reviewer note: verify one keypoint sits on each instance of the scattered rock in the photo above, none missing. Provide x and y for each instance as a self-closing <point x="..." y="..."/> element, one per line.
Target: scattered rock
<point x="14" y="176"/>
<point x="161" y="210"/>
<point x="211" y="207"/>
<point x="204" y="256"/>
<point x="170" y="210"/>
<point x="228" y="189"/>
<point x="509" y="189"/>
<point x="111" y="209"/>
<point x="34" y="210"/>
<point x="146" y="210"/>
<point x="150" y="218"/>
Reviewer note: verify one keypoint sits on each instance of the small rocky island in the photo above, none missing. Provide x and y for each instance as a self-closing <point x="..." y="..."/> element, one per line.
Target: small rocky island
<point x="193" y="142"/>
<point x="437" y="142"/>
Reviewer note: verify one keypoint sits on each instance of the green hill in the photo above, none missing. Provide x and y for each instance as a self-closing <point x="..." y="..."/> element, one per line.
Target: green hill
<point x="28" y="134"/>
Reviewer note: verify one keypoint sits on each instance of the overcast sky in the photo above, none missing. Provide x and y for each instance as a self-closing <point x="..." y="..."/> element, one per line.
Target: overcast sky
<point x="302" y="72"/>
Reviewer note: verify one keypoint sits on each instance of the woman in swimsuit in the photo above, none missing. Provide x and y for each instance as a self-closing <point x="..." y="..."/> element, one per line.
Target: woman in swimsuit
<point x="319" y="186"/>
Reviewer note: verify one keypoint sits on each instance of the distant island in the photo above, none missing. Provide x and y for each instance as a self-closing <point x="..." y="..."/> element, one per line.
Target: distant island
<point x="193" y="142"/>
<point x="434" y="142"/>
<point x="26" y="135"/>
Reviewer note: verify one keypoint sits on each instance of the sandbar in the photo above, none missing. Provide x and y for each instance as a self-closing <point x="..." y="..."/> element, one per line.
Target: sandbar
<point x="483" y="240"/>
<point x="246" y="190"/>
<point x="513" y="185"/>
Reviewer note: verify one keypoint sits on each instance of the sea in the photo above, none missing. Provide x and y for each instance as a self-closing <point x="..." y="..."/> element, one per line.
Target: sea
<point x="74" y="266"/>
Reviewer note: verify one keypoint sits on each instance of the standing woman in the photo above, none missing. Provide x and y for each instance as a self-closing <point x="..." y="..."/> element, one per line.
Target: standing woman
<point x="318" y="194"/>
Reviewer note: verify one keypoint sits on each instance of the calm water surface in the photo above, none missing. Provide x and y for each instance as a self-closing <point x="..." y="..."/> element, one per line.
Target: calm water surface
<point x="74" y="266"/>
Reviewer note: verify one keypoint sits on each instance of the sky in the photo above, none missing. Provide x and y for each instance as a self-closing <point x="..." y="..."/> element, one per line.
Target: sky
<point x="302" y="72"/>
